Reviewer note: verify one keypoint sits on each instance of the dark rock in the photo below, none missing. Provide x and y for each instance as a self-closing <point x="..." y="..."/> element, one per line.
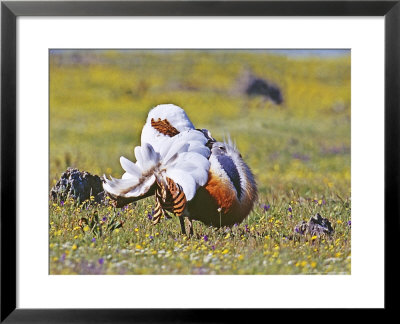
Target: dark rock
<point x="317" y="225"/>
<point x="79" y="185"/>
<point x="260" y="87"/>
<point x="251" y="85"/>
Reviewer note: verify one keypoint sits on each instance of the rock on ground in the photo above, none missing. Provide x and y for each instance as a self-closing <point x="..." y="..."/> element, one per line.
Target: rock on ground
<point x="79" y="185"/>
<point x="317" y="225"/>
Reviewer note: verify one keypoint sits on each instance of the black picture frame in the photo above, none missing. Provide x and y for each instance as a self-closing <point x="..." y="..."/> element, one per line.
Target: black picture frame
<point x="10" y="10"/>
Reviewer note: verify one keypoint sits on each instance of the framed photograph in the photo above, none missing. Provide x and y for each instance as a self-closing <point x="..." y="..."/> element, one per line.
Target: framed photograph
<point x="179" y="155"/>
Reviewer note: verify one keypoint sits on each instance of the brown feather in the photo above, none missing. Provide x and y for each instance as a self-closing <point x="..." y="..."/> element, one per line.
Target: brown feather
<point x="164" y="127"/>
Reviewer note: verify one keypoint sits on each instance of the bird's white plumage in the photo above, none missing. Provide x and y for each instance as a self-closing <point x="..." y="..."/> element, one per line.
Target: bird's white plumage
<point x="183" y="157"/>
<point x="175" y="115"/>
<point x="197" y="167"/>
<point x="131" y="169"/>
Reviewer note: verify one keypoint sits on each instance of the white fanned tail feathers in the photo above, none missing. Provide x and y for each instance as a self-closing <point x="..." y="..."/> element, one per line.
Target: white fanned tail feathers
<point x="180" y="153"/>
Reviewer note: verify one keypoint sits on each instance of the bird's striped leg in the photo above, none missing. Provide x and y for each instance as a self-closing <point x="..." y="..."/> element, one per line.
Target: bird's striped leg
<point x="177" y="204"/>
<point x="158" y="212"/>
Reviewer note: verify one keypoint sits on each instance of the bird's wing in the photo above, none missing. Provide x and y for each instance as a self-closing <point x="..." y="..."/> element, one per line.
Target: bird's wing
<point x="177" y="161"/>
<point x="171" y="148"/>
<point x="182" y="148"/>
<point x="185" y="161"/>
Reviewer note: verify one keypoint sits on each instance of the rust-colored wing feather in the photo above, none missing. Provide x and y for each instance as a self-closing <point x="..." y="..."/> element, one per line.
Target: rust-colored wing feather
<point x="164" y="127"/>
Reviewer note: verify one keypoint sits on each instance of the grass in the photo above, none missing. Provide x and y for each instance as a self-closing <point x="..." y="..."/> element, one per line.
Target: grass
<point x="299" y="153"/>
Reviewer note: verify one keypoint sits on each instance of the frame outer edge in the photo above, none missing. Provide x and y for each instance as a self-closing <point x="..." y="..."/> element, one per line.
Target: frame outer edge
<point x="8" y="162"/>
<point x="392" y="146"/>
<point x="203" y="8"/>
<point x="8" y="150"/>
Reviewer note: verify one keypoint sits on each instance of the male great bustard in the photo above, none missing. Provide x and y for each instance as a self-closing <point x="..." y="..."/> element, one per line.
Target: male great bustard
<point x="192" y="175"/>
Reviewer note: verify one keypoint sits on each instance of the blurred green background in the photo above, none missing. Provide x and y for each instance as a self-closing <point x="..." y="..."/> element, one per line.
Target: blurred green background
<point x="99" y="100"/>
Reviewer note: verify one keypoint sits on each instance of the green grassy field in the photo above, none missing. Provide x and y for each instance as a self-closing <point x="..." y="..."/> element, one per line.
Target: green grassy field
<point x="299" y="153"/>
